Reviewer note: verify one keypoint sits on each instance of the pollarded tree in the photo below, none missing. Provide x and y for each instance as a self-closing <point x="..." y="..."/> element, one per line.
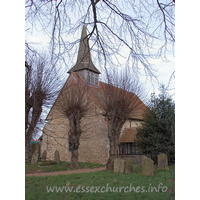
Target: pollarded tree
<point x="156" y="135"/>
<point x="119" y="100"/>
<point x="41" y="88"/>
<point x="74" y="104"/>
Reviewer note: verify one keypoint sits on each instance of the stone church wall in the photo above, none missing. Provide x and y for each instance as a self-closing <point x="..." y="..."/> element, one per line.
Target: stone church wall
<point x="94" y="144"/>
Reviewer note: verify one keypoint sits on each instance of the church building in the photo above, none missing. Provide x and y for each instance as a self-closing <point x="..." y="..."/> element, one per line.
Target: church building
<point x="94" y="142"/>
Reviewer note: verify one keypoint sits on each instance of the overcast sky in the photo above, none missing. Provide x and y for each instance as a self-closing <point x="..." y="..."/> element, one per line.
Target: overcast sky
<point x="164" y="70"/>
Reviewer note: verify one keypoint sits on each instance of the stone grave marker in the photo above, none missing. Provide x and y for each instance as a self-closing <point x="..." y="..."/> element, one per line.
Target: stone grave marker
<point x="163" y="161"/>
<point x="44" y="156"/>
<point x="148" y="167"/>
<point x="118" y="165"/>
<point x="143" y="158"/>
<point x="57" y="156"/>
<point x="121" y="166"/>
<point x="128" y="167"/>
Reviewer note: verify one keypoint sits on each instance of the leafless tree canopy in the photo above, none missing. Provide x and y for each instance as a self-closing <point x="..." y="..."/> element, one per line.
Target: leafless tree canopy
<point x="132" y="25"/>
<point x="41" y="88"/>
<point x="74" y="104"/>
<point x="120" y="102"/>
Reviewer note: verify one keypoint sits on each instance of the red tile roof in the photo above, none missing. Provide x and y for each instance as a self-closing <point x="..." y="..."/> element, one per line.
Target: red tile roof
<point x="94" y="92"/>
<point x="129" y="135"/>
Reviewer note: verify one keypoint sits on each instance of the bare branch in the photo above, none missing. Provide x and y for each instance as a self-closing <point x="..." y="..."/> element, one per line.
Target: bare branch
<point x="41" y="88"/>
<point x="115" y="27"/>
<point x="120" y="102"/>
<point x="73" y="103"/>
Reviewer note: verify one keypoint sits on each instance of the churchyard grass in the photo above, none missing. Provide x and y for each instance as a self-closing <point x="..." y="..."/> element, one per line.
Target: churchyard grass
<point x="36" y="187"/>
<point x="62" y="166"/>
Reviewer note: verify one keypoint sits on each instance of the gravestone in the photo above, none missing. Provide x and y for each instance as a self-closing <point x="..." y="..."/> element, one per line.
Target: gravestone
<point x="118" y="165"/>
<point x="44" y="156"/>
<point x="34" y="158"/>
<point x="128" y="167"/>
<point x="121" y="170"/>
<point x="163" y="161"/>
<point x="57" y="156"/>
<point x="143" y="158"/>
<point x="147" y="167"/>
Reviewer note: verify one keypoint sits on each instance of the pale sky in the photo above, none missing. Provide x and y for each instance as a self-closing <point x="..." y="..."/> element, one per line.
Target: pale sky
<point x="163" y="69"/>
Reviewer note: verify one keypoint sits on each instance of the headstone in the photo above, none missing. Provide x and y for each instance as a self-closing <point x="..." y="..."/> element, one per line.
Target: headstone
<point x="34" y="158"/>
<point x="121" y="166"/>
<point x="44" y="156"/>
<point x="148" y="167"/>
<point x="128" y="167"/>
<point x="118" y="165"/>
<point x="57" y="156"/>
<point x="143" y="158"/>
<point x="163" y="161"/>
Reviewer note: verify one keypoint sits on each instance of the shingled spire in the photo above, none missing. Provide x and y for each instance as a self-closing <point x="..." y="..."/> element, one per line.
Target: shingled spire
<point x="84" y="60"/>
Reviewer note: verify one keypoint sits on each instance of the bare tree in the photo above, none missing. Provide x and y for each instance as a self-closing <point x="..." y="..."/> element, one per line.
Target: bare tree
<point x="74" y="104"/>
<point x="41" y="88"/>
<point x="132" y="25"/>
<point x="120" y="102"/>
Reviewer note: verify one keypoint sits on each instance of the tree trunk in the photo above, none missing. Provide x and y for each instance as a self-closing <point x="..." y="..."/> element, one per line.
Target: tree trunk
<point x="27" y="110"/>
<point x="114" y="130"/>
<point x="74" y="143"/>
<point x="110" y="163"/>
<point x="114" y="146"/>
<point x="74" y="159"/>
<point x="27" y="147"/>
<point x="28" y="106"/>
<point x="74" y="137"/>
<point x="29" y="132"/>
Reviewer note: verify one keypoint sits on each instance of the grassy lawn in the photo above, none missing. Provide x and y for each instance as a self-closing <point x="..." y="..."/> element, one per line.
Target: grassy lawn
<point x="62" y="166"/>
<point x="36" y="187"/>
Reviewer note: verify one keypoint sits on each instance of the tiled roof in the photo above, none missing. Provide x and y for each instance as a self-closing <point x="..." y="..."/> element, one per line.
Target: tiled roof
<point x="138" y="113"/>
<point x="129" y="135"/>
<point x="94" y="92"/>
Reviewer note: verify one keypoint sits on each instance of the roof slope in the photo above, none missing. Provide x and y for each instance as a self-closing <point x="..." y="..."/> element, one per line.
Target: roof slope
<point x="84" y="60"/>
<point x="129" y="135"/>
<point x="137" y="114"/>
<point x="95" y="93"/>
